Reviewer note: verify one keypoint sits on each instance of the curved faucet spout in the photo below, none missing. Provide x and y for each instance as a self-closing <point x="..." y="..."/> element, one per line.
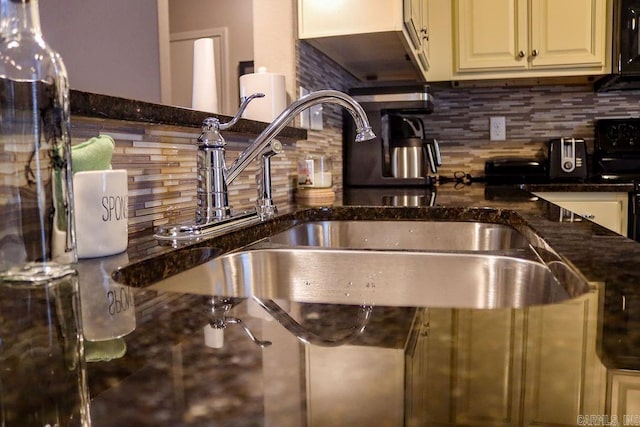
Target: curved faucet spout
<point x="363" y="128"/>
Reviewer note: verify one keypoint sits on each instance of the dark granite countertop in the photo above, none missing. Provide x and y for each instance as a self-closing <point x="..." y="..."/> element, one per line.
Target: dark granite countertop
<point x="94" y="105"/>
<point x="623" y="187"/>
<point x="167" y="376"/>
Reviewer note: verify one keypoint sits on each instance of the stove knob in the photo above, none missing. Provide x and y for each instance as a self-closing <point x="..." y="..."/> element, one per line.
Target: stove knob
<point x="633" y="135"/>
<point x="625" y="135"/>
<point x="613" y="133"/>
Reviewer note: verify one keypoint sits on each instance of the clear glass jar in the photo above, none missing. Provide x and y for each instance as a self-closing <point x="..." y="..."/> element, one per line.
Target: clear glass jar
<point x="36" y="202"/>
<point x="315" y="172"/>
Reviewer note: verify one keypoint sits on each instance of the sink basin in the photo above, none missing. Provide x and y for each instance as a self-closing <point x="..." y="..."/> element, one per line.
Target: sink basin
<point x="388" y="278"/>
<point x="405" y="235"/>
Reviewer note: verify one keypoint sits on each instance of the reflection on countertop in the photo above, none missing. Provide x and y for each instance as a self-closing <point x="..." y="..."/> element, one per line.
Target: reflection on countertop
<point x="411" y="366"/>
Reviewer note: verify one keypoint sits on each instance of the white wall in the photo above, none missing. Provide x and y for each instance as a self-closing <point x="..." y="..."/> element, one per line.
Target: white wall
<point x="109" y="47"/>
<point x="235" y="15"/>
<point x="274" y="42"/>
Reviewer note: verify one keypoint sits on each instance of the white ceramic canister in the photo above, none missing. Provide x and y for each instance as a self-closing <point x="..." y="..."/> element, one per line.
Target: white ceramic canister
<point x="101" y="203"/>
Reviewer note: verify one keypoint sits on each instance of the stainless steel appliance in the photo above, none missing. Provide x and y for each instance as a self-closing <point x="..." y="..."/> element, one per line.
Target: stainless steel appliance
<point x="625" y="49"/>
<point x="408" y="158"/>
<point x="400" y="155"/>
<point x="567" y="159"/>
<point x="407" y="145"/>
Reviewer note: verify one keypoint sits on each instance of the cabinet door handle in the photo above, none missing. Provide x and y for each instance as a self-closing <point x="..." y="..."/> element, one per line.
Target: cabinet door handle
<point x="534" y="52"/>
<point x="522" y="54"/>
<point x="425" y="33"/>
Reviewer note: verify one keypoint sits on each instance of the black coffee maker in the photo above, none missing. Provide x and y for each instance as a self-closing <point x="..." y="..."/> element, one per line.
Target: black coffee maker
<point x="400" y="155"/>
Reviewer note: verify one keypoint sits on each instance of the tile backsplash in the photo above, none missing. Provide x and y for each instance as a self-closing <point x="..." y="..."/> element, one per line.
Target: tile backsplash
<point x="534" y="115"/>
<point x="161" y="165"/>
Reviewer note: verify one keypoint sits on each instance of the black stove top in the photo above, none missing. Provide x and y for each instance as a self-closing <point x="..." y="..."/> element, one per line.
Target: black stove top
<point x="616" y="156"/>
<point x="616" y="177"/>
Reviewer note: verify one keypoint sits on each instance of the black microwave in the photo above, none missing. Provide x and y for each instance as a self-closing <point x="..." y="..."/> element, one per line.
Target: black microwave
<point x="625" y="48"/>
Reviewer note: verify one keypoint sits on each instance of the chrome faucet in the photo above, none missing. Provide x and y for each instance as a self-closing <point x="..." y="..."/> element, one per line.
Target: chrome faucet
<point x="214" y="177"/>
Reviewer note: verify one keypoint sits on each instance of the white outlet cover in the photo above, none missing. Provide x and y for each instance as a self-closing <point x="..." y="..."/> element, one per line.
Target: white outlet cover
<point x="315" y="113"/>
<point x="498" y="128"/>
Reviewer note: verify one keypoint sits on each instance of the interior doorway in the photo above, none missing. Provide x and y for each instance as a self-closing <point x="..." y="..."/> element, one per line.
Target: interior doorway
<point x="231" y="21"/>
<point x="181" y="60"/>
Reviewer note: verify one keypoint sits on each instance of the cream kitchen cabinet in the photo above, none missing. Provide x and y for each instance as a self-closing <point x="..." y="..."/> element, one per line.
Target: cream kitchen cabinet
<point x="416" y="18"/>
<point x="354" y="368"/>
<point x="488" y="376"/>
<point x="608" y="209"/>
<point x="372" y="40"/>
<point x="565" y="377"/>
<point x="504" y="39"/>
<point x="536" y="366"/>
<point x="623" y="400"/>
<point x="468" y="368"/>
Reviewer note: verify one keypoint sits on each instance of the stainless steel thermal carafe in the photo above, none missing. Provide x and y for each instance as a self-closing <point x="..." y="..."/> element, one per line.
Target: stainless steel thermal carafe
<point x="408" y="158"/>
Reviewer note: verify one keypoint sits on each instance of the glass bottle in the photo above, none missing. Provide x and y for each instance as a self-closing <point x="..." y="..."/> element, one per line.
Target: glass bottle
<point x="37" y="236"/>
<point x="42" y="369"/>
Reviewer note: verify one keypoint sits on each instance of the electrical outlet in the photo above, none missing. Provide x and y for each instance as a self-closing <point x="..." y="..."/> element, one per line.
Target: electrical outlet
<point x="315" y="112"/>
<point x="310" y="118"/>
<point x="497" y="128"/>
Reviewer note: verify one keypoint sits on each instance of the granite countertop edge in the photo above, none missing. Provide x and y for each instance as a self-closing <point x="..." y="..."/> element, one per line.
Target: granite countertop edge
<point x="93" y="105"/>
<point x="623" y="187"/>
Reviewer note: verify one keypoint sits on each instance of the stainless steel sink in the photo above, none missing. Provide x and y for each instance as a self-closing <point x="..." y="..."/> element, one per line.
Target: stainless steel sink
<point x="405" y="235"/>
<point x="388" y="278"/>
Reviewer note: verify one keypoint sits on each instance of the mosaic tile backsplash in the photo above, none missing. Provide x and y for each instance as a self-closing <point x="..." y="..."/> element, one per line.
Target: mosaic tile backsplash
<point x="161" y="165"/>
<point x="161" y="159"/>
<point x="534" y="115"/>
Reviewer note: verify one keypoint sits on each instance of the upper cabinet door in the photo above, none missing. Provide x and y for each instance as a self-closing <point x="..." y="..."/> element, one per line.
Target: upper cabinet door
<point x="527" y="38"/>
<point x="568" y="32"/>
<point x="490" y="34"/>
<point x="416" y="18"/>
<point x="412" y="12"/>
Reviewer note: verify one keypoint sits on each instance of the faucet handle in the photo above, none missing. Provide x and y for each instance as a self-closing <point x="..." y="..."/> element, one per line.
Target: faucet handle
<point x="243" y="106"/>
<point x="211" y="126"/>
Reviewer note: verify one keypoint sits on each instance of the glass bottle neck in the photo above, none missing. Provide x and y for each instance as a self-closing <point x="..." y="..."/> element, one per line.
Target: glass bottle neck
<point x="20" y="16"/>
